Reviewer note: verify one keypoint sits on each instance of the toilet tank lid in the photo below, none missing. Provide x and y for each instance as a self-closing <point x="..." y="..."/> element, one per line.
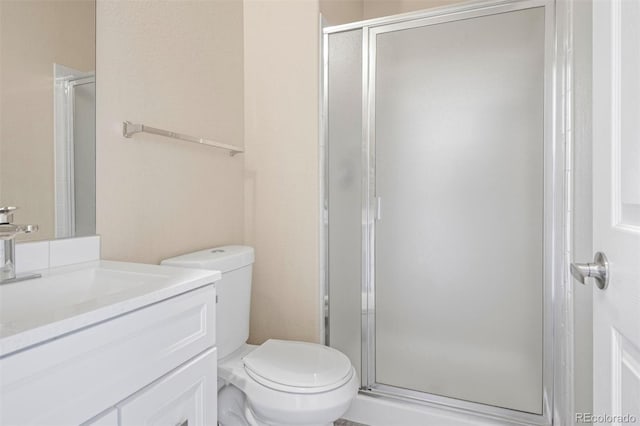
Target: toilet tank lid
<point x="223" y="259"/>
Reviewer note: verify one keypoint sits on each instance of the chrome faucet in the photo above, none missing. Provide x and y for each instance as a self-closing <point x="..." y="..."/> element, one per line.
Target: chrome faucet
<point x="8" y="232"/>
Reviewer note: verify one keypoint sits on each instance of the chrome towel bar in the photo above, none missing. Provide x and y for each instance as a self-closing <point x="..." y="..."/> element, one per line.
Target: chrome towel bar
<point x="129" y="129"/>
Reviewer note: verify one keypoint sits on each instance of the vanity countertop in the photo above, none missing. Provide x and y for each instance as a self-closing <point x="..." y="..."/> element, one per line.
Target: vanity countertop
<point x="69" y="298"/>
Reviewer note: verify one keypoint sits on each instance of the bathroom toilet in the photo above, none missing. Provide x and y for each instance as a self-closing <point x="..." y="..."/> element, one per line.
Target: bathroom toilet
<point x="279" y="382"/>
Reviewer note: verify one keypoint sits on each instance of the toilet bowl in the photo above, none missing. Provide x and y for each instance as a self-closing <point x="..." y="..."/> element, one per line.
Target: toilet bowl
<point x="280" y="382"/>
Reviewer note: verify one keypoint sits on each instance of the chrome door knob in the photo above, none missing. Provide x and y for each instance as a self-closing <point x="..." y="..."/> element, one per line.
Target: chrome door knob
<point x="6" y="214"/>
<point x="598" y="270"/>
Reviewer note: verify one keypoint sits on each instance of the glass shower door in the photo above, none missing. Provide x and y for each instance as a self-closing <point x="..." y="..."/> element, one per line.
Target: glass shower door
<point x="457" y="141"/>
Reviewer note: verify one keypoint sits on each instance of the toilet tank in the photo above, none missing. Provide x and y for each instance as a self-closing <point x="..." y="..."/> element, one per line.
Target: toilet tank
<point x="233" y="291"/>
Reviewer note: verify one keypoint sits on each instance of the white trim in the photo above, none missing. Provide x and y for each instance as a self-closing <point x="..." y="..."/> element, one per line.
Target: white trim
<point x="618" y="221"/>
<point x="616" y="119"/>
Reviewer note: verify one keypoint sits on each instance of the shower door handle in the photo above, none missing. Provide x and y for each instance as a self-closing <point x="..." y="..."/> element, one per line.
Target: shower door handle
<point x="598" y="270"/>
<point x="378" y="208"/>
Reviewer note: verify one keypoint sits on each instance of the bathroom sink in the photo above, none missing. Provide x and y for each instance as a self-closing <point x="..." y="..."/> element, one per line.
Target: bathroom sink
<point x="71" y="297"/>
<point x="52" y="293"/>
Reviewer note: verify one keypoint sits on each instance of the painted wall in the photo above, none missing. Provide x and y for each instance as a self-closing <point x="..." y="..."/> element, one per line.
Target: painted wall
<point x="176" y="65"/>
<point x="378" y="8"/>
<point x="33" y="36"/>
<point x="281" y="47"/>
<point x="338" y="12"/>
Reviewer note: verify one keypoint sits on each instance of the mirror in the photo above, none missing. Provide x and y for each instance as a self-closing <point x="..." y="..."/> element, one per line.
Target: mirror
<point x="47" y="115"/>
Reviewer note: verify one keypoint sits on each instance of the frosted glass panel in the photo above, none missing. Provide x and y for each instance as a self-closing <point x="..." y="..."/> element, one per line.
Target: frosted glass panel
<point x="459" y="246"/>
<point x="84" y="162"/>
<point x="345" y="192"/>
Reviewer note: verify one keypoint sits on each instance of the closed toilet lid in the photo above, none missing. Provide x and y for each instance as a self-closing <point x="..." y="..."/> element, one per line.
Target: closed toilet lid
<point x="298" y="365"/>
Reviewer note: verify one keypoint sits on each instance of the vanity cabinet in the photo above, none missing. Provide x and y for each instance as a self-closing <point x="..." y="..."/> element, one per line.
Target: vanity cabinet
<point x="152" y="365"/>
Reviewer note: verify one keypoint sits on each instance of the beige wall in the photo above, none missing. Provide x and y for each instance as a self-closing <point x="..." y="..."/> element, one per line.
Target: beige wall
<point x="175" y="65"/>
<point x="378" y="8"/>
<point x="179" y="65"/>
<point x="281" y="166"/>
<point x="33" y="36"/>
<point x="338" y="12"/>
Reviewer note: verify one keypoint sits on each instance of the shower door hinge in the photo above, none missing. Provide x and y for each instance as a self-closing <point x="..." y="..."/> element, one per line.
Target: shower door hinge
<point x="378" y="213"/>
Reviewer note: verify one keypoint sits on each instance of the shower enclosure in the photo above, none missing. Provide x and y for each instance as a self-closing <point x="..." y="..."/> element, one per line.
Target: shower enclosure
<point x="444" y="223"/>
<point x="75" y="152"/>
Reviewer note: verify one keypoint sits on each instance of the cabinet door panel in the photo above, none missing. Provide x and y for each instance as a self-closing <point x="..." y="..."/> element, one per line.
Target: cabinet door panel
<point x="110" y="418"/>
<point x="185" y="397"/>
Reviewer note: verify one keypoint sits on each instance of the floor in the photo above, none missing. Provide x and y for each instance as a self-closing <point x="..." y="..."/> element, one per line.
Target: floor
<point x="343" y="422"/>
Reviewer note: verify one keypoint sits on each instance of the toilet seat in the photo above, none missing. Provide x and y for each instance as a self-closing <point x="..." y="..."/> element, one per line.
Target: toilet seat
<point x="297" y="367"/>
<point x="319" y="405"/>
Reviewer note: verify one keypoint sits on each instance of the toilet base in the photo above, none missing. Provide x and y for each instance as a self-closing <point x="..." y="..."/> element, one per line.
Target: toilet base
<point x="233" y="410"/>
<point x="253" y="421"/>
<point x="231" y="407"/>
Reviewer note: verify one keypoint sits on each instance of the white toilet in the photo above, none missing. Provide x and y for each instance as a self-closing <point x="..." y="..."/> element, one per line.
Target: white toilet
<point x="279" y="382"/>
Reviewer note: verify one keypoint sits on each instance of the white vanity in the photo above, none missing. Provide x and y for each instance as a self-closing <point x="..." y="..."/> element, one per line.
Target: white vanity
<point x="109" y="343"/>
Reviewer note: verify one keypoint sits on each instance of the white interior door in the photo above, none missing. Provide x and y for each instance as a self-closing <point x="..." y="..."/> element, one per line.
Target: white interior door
<point x="616" y="114"/>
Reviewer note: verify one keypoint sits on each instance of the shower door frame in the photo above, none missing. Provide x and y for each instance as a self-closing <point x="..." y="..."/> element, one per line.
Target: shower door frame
<point x="557" y="398"/>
